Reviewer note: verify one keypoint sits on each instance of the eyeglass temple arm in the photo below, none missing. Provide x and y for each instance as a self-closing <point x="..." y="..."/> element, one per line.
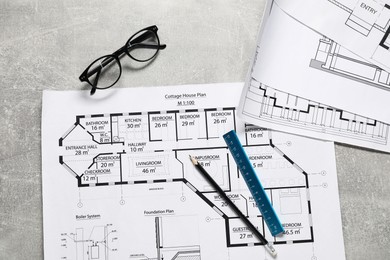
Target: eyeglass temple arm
<point x="148" y="46"/>
<point x="95" y="82"/>
<point x="142" y="37"/>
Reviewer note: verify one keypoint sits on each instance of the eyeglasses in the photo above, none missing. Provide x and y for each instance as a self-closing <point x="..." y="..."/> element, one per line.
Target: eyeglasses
<point x="105" y="71"/>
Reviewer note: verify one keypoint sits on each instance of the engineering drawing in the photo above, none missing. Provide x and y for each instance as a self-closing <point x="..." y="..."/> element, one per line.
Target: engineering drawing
<point x="271" y="105"/>
<point x="333" y="58"/>
<point x="361" y="26"/>
<point x="128" y="164"/>
<point x="366" y="16"/>
<point x="95" y="245"/>
<point x="167" y="252"/>
<point x="141" y="148"/>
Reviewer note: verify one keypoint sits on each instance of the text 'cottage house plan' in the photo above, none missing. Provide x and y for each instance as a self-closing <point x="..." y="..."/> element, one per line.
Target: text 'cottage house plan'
<point x="141" y="148"/>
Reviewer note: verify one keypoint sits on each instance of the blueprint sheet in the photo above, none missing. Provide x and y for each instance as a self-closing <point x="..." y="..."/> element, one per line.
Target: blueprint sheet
<point x="295" y="59"/>
<point x="362" y="26"/>
<point x="310" y="85"/>
<point x="118" y="183"/>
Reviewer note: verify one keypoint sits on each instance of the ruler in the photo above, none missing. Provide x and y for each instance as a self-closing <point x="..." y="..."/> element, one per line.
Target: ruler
<point x="253" y="183"/>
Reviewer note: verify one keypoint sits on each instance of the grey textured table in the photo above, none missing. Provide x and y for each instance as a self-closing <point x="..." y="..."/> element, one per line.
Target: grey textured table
<point x="47" y="44"/>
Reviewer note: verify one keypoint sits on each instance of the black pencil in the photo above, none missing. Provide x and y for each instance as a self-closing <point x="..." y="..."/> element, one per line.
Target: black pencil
<point x="249" y="224"/>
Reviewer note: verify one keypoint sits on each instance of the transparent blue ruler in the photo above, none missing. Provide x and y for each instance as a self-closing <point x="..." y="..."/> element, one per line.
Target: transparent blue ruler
<point x="253" y="183"/>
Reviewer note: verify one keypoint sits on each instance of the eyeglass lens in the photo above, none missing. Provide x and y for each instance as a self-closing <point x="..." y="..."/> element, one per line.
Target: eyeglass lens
<point x="104" y="72"/>
<point x="143" y="46"/>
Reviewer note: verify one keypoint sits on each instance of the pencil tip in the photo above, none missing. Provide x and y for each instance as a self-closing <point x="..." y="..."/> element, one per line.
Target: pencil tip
<point x="193" y="160"/>
<point x="271" y="250"/>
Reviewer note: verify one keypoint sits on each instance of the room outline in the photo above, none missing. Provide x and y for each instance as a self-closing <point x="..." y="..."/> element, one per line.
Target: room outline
<point x="140" y="148"/>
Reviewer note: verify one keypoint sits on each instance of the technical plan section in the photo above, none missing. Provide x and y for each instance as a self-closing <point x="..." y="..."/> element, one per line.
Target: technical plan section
<point x="127" y="164"/>
<point x="362" y="26"/>
<point x="333" y="58"/>
<point x="273" y="108"/>
<point x="317" y="68"/>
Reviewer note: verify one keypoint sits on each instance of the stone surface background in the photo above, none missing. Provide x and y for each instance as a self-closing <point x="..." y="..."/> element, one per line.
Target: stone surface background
<point x="46" y="44"/>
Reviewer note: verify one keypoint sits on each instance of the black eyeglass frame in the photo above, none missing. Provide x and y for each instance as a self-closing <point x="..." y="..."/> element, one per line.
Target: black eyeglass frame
<point x="130" y="44"/>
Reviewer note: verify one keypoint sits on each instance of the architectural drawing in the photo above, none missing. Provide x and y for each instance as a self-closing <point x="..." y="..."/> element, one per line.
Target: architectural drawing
<point x="368" y="15"/>
<point x="361" y="26"/>
<point x="128" y="164"/>
<point x="319" y="69"/>
<point x="321" y="93"/>
<point x="139" y="148"/>
<point x="83" y="245"/>
<point x="333" y="58"/>
<point x="364" y="16"/>
<point x="277" y="108"/>
<point x="163" y="251"/>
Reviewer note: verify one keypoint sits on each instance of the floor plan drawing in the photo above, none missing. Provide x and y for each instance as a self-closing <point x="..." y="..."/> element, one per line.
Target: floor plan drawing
<point x="333" y="58"/>
<point x="362" y="26"/>
<point x="106" y="157"/>
<point x="128" y="164"/>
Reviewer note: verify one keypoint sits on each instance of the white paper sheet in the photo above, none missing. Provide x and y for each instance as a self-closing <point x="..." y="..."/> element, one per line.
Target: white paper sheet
<point x="118" y="184"/>
<point x="276" y="109"/>
<point x="281" y="108"/>
<point x="362" y="26"/>
<point x="297" y="60"/>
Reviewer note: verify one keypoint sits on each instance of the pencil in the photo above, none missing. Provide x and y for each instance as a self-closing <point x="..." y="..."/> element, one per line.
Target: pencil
<point x="249" y="224"/>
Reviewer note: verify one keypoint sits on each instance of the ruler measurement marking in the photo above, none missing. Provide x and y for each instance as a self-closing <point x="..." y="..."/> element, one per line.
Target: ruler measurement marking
<point x="253" y="183"/>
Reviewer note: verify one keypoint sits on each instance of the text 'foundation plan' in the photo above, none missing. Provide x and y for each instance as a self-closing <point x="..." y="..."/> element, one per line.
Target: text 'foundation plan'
<point x="118" y="182"/>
